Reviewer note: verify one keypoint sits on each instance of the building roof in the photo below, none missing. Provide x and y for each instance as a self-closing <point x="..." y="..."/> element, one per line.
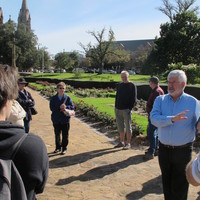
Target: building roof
<point x="1" y="16"/>
<point x="24" y="5"/>
<point x="1" y="12"/>
<point x="133" y="45"/>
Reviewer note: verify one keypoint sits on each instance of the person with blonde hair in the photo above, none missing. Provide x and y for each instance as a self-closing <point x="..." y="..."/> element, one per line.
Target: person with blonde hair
<point x="60" y="105"/>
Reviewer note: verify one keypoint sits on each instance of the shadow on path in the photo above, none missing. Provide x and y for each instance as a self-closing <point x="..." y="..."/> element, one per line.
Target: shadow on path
<point x="153" y="186"/>
<point x="100" y="172"/>
<point x="79" y="158"/>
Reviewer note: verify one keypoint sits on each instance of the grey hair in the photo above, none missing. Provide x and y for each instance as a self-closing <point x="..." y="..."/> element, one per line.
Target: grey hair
<point x="125" y="72"/>
<point x="178" y="73"/>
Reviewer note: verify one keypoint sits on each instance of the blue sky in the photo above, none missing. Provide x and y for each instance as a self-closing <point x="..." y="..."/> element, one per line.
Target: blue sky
<point x="62" y="24"/>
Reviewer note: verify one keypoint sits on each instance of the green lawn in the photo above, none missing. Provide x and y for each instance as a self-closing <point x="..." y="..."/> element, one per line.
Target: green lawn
<point x="92" y="77"/>
<point x="104" y="105"/>
<point x="107" y="105"/>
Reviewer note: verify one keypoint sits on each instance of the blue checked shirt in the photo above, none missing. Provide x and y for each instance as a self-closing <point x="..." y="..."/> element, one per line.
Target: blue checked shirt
<point x="179" y="132"/>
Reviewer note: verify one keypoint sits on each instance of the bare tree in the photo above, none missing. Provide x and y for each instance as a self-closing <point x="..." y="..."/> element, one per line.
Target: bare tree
<point x="99" y="51"/>
<point x="180" y="6"/>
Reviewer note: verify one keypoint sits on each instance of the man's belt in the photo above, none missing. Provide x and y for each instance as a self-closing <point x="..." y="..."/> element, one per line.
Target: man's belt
<point x="176" y="147"/>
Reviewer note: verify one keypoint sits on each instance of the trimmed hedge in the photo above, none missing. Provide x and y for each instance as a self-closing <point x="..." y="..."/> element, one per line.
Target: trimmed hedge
<point x="142" y="89"/>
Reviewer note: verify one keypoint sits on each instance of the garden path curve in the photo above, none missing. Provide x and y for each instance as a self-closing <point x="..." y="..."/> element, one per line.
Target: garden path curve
<point x="92" y="169"/>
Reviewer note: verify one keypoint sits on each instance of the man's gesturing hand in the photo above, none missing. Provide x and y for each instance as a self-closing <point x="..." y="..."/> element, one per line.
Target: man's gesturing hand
<point x="180" y="116"/>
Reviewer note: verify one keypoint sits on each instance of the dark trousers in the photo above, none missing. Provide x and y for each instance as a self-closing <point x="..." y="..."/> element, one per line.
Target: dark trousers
<point x="64" y="129"/>
<point x="172" y="164"/>
<point x="152" y="137"/>
<point x="26" y="125"/>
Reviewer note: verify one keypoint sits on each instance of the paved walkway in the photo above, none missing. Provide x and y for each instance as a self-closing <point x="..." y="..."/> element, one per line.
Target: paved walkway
<point x="92" y="169"/>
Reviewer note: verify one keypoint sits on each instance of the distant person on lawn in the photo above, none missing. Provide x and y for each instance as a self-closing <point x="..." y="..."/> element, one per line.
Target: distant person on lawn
<point x="152" y="130"/>
<point x="125" y="100"/>
<point x="59" y="104"/>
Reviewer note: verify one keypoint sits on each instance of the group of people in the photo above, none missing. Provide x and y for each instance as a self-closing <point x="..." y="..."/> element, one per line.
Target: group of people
<point x="30" y="158"/>
<point x="173" y="122"/>
<point x="21" y="106"/>
<point x="28" y="151"/>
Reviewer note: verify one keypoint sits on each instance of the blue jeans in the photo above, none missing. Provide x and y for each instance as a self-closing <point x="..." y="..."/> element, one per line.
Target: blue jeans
<point x="26" y="125"/>
<point x="153" y="137"/>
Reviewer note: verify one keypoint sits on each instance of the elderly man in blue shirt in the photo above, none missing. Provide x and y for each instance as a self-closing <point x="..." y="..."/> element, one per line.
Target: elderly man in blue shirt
<point x="176" y="115"/>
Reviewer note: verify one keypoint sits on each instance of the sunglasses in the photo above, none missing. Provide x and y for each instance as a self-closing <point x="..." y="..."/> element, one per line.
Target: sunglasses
<point x="62" y="88"/>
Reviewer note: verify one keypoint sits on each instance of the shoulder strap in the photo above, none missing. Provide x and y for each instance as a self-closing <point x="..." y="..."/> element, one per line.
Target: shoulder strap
<point x="11" y="152"/>
<point x="65" y="99"/>
<point x="17" y="145"/>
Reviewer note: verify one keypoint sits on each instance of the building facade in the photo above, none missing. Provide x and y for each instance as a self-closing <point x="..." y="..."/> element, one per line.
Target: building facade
<point x="24" y="16"/>
<point x="1" y="16"/>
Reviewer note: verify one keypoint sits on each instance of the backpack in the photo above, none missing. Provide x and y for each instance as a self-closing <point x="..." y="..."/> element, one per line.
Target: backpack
<point x="11" y="183"/>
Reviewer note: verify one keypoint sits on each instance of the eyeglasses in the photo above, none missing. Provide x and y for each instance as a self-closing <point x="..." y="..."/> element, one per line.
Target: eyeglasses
<point x="172" y="83"/>
<point x="62" y="88"/>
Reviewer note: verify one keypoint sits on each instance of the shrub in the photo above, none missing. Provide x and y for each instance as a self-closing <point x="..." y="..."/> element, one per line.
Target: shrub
<point x="93" y="113"/>
<point x="192" y="71"/>
<point x="77" y="74"/>
<point x="48" y="91"/>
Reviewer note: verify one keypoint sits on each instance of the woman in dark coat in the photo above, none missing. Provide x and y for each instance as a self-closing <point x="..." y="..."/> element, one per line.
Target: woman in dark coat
<point x="26" y="101"/>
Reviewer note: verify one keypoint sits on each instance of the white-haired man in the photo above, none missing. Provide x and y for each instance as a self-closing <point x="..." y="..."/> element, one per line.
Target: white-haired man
<point x="125" y="100"/>
<point x="176" y="115"/>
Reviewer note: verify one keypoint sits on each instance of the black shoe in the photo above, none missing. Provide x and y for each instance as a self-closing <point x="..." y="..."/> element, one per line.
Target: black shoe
<point x="63" y="152"/>
<point x="147" y="150"/>
<point x="156" y="153"/>
<point x="57" y="150"/>
<point x="148" y="156"/>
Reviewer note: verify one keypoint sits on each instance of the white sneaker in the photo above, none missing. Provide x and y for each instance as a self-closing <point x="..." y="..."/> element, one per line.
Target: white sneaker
<point x="127" y="147"/>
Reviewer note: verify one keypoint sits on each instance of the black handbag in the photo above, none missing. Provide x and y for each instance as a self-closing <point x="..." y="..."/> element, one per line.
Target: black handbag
<point x="34" y="111"/>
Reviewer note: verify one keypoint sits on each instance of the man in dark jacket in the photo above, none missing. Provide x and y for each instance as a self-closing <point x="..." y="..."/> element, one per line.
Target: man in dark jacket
<point x="124" y="102"/>
<point x="61" y="123"/>
<point x="31" y="158"/>
<point x="151" y="130"/>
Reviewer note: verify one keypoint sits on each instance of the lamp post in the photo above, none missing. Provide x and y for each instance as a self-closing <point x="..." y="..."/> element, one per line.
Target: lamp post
<point x="42" y="55"/>
<point x="42" y="60"/>
<point x="13" y="51"/>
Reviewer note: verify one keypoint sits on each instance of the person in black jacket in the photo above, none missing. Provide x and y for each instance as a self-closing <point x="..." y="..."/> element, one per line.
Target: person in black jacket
<point x="31" y="159"/>
<point x="124" y="102"/>
<point x="61" y="123"/>
<point x="26" y="101"/>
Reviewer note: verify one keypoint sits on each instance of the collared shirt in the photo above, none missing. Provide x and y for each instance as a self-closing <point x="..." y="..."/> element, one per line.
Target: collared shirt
<point x="179" y="132"/>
